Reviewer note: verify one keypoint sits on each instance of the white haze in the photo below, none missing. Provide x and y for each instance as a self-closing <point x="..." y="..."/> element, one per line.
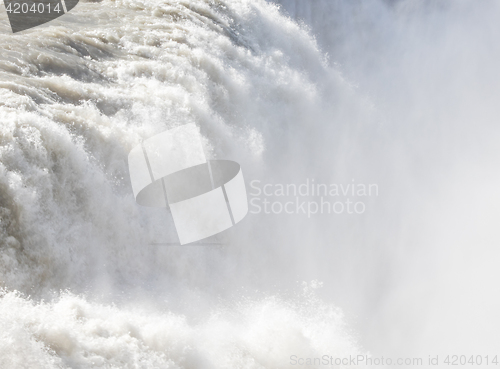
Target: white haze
<point x="429" y="269"/>
<point x="403" y="94"/>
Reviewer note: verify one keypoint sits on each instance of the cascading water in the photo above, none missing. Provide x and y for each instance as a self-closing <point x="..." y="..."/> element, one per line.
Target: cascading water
<point x="398" y="94"/>
<point x="77" y="96"/>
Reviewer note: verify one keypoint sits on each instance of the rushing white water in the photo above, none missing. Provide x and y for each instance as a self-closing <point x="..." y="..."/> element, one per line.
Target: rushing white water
<point x="401" y="94"/>
<point x="77" y="95"/>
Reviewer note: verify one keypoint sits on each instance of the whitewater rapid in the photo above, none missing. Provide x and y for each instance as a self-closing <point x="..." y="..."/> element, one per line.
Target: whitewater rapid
<point x="82" y="285"/>
<point x="399" y="94"/>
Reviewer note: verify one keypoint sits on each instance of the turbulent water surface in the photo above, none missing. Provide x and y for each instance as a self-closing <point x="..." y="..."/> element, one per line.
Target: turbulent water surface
<point x="77" y="95"/>
<point x="403" y="94"/>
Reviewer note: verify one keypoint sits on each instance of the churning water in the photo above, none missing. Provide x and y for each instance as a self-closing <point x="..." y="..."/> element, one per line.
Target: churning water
<point x="401" y="94"/>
